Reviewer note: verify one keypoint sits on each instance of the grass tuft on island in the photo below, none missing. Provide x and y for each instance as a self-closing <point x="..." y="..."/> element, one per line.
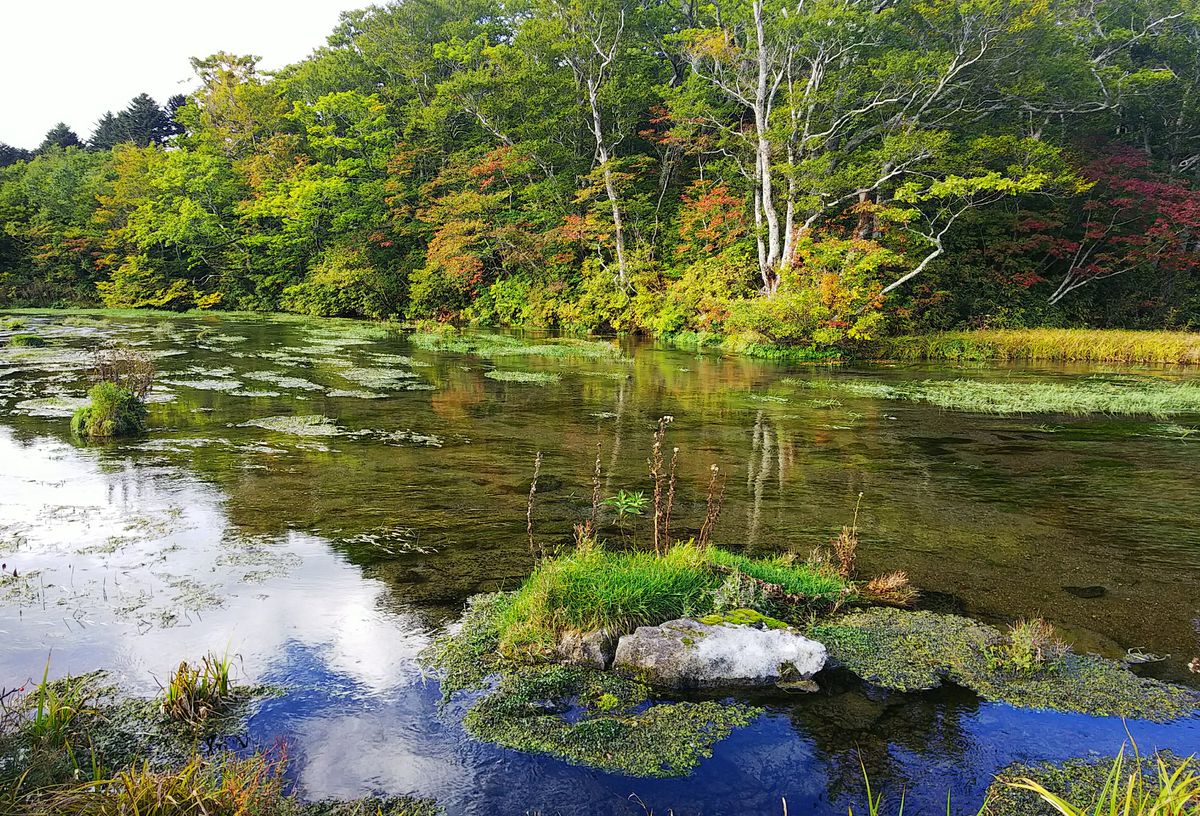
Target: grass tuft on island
<point x="1027" y="667"/>
<point x="1048" y="345"/>
<point x="596" y="589"/>
<point x="113" y="411"/>
<point x="1093" y="395"/>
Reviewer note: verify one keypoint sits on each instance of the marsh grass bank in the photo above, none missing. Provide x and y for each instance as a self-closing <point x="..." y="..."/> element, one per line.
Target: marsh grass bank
<point x="1046" y="345"/>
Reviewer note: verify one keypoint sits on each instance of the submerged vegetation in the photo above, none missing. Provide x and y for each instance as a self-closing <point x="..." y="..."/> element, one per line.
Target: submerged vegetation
<point x="1094" y="395"/>
<point x="914" y="651"/>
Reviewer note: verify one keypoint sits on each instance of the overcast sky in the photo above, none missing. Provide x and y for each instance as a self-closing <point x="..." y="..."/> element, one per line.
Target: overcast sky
<point x="72" y="60"/>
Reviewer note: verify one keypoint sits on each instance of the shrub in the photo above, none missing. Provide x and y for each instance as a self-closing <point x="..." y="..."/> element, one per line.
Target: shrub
<point x="341" y="284"/>
<point x="114" y="411"/>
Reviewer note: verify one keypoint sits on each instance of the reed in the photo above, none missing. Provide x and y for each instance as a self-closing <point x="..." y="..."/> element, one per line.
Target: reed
<point x="1062" y="345"/>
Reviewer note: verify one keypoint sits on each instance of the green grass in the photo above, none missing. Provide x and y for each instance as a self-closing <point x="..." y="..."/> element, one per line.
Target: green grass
<point x="593" y="589"/>
<point x="1126" y="785"/>
<point x="794" y="578"/>
<point x="1064" y="345"/>
<point x="1093" y="395"/>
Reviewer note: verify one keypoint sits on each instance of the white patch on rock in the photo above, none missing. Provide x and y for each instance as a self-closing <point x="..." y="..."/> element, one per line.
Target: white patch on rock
<point x="687" y="654"/>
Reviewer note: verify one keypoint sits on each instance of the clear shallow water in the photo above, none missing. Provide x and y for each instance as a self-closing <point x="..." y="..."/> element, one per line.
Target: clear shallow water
<point x="327" y="562"/>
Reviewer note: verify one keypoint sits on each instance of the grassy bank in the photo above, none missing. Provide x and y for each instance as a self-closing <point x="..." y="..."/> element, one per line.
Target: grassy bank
<point x="1047" y="345"/>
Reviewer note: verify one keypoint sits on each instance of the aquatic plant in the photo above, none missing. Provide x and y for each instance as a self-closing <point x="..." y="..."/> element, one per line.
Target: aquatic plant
<point x="502" y="345"/>
<point x="1129" y="784"/>
<point x="13" y="324"/>
<point x="469" y="656"/>
<point x="113" y="411"/>
<point x="1029" y="647"/>
<point x="913" y="651"/>
<point x="1067" y="345"/>
<point x="54" y="705"/>
<point x="195" y="692"/>
<point x="1093" y="395"/>
<point x="303" y="425"/>
<point x="600" y="720"/>
<point x="26" y="341"/>
<point x="529" y="377"/>
<point x="712" y="505"/>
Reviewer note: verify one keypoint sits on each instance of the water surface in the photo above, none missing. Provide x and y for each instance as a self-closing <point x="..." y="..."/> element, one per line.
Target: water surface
<point x="327" y="560"/>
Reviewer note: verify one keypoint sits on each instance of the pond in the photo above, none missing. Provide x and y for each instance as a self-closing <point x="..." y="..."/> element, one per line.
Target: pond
<point x="325" y="553"/>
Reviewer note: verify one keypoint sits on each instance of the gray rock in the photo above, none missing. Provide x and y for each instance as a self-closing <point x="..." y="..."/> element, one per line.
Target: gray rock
<point x="593" y="650"/>
<point x="687" y="654"/>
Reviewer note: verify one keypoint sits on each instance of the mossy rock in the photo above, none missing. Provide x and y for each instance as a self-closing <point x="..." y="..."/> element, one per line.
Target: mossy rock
<point x="113" y="412"/>
<point x="743" y="617"/>
<point x="600" y="720"/>
<point x="913" y="651"/>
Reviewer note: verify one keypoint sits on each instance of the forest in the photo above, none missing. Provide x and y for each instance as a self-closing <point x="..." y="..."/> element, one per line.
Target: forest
<point x="806" y="174"/>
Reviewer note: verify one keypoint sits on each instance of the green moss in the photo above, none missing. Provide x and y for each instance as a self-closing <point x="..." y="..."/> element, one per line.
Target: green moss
<point x="527" y="713"/>
<point x="26" y="341"/>
<point x="113" y="412"/>
<point x="910" y="651"/>
<point x="469" y="656"/>
<point x="743" y="617"/>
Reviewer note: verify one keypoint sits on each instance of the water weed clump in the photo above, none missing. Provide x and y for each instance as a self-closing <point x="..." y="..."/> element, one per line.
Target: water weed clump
<point x="914" y="651"/>
<point x="527" y="377"/>
<point x="1093" y="395"/>
<point x="1050" y="345"/>
<point x="1159" y="784"/>
<point x="304" y="425"/>
<point x="27" y="340"/>
<point x="113" y="411"/>
<point x="195" y="692"/>
<point x="600" y="720"/>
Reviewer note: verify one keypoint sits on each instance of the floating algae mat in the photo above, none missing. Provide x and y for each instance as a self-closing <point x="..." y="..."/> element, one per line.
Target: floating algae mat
<point x="305" y="425"/>
<point x="1152" y="397"/>
<point x="916" y="651"/>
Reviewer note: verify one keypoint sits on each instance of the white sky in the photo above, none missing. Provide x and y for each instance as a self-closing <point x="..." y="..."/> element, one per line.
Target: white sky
<point x="71" y="60"/>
